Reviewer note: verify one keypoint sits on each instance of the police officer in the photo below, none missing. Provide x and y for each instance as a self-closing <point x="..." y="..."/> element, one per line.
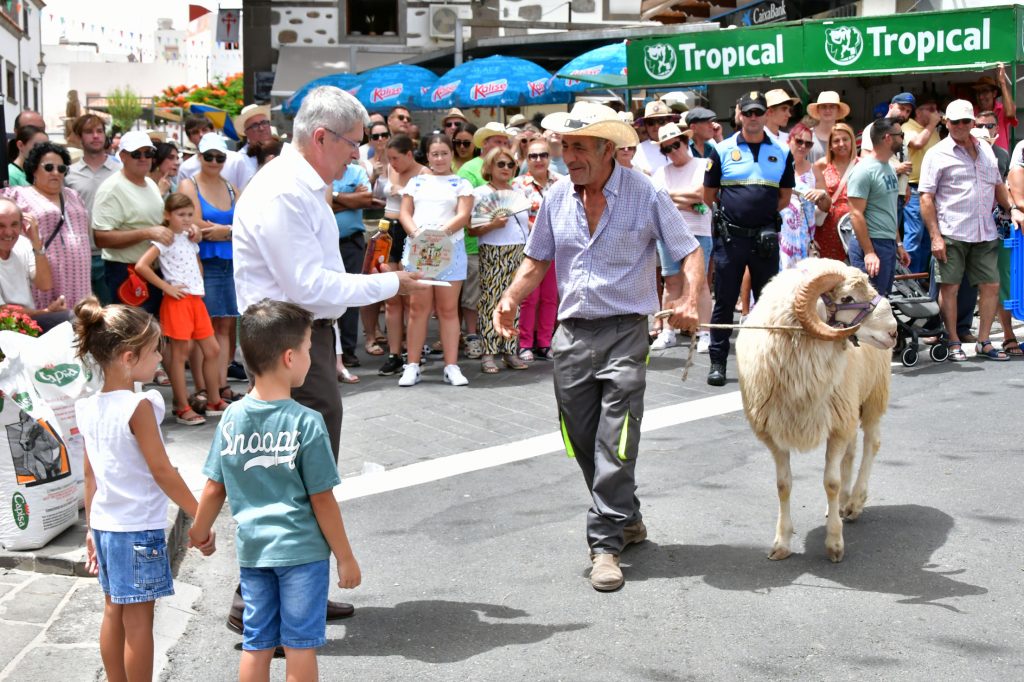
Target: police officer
<point x="751" y="178"/>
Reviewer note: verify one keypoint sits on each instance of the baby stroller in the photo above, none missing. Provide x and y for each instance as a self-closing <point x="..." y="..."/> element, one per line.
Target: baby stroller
<point x="917" y="314"/>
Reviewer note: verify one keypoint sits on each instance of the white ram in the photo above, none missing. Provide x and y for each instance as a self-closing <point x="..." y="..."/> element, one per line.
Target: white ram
<point x="803" y="388"/>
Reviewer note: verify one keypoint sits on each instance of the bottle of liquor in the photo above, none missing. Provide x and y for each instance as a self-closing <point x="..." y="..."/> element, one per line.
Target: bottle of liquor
<point x="379" y="248"/>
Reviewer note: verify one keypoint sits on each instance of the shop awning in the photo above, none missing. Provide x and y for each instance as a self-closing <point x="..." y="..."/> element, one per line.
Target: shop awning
<point x="918" y="42"/>
<point x="297" y="65"/>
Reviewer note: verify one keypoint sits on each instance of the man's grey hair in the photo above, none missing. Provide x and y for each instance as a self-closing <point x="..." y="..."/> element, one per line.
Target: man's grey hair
<point x="328" y="107"/>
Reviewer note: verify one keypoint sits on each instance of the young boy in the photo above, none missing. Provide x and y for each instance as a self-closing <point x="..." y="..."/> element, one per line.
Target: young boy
<point x="272" y="459"/>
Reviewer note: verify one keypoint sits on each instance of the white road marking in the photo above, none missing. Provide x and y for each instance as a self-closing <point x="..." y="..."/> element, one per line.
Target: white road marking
<point x="475" y="460"/>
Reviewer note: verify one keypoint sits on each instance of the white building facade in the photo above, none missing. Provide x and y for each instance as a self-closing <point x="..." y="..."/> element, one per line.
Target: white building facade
<point x="21" y="57"/>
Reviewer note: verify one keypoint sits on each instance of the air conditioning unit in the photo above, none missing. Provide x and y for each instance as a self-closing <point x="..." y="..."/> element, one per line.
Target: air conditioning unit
<point x="442" y="19"/>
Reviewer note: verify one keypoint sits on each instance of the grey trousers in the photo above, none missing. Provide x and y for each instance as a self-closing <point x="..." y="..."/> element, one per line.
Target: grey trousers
<point x="600" y="371"/>
<point x="320" y="390"/>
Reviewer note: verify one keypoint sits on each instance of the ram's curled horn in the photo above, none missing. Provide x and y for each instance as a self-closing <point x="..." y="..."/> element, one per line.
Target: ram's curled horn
<point x="806" y="302"/>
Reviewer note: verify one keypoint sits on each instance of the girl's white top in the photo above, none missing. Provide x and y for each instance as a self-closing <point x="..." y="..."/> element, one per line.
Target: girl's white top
<point x="127" y="497"/>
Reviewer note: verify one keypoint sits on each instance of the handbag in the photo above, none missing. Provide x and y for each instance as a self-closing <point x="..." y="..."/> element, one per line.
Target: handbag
<point x="133" y="290"/>
<point x="821" y="216"/>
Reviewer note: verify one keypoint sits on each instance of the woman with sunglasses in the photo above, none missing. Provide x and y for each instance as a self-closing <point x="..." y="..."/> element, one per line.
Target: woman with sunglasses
<point x="400" y="169"/>
<point x="835" y="169"/>
<point x="462" y="141"/>
<point x="539" y="310"/>
<point x="63" y="224"/>
<point x="501" y="241"/>
<point x="164" y="171"/>
<point x="809" y="193"/>
<point x="378" y="162"/>
<point x="214" y="199"/>
<point x="438" y="200"/>
<point x="19" y="148"/>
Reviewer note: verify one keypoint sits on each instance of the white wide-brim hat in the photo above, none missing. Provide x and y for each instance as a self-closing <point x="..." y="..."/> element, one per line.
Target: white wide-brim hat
<point x="593" y="120"/>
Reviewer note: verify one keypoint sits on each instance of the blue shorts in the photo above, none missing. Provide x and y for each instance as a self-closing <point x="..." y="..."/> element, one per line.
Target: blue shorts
<point x="886" y="251"/>
<point x="285" y="606"/>
<point x="219" y="283"/>
<point x="669" y="268"/>
<point x="134" y="566"/>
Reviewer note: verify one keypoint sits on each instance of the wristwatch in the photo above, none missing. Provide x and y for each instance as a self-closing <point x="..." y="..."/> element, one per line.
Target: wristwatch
<point x="41" y="251"/>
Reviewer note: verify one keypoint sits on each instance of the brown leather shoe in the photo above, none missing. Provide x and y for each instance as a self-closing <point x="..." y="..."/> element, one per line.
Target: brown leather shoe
<point x="337" y="610"/>
<point x="605" y="576"/>
<point x="634" y="534"/>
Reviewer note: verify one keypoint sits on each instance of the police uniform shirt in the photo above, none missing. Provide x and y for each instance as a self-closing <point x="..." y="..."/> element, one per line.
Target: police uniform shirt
<point x="749" y="177"/>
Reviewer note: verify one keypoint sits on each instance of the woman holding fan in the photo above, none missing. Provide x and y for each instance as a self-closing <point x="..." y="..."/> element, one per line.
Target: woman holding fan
<point x="501" y="222"/>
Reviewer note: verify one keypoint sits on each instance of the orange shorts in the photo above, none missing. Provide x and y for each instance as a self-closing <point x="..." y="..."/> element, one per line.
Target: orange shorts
<point x="185" y="319"/>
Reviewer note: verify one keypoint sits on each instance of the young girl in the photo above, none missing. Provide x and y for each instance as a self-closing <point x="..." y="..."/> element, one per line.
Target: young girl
<point x="182" y="311"/>
<point x="128" y="479"/>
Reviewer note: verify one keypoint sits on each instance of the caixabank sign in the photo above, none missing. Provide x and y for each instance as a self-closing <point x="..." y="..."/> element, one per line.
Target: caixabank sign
<point x="920" y="41"/>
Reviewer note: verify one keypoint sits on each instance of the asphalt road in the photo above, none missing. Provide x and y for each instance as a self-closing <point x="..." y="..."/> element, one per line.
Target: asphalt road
<point x="483" y="575"/>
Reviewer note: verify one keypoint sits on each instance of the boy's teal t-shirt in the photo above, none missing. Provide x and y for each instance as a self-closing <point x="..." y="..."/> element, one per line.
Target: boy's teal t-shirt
<point x="271" y="456"/>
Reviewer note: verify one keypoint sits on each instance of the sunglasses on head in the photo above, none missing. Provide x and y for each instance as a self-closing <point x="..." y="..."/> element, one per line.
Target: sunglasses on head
<point x="504" y="164"/>
<point x="538" y="155"/>
<point x="669" y="148"/>
<point x="380" y="136"/>
<point x="214" y="157"/>
<point x="989" y="126"/>
<point x="147" y="153"/>
<point x="753" y="113"/>
<point x="806" y="144"/>
<point x="462" y="143"/>
<point x="50" y="167"/>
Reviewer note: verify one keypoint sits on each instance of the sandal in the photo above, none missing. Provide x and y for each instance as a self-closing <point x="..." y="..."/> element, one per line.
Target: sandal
<point x="373" y="348"/>
<point x="347" y="377"/>
<point x="197" y="401"/>
<point x="229" y="396"/>
<point x="1013" y="351"/>
<point x="160" y="377"/>
<point x="487" y="365"/>
<point x="188" y="417"/>
<point x="956" y="352"/>
<point x="216" y="409"/>
<point x="991" y="353"/>
<point x="513" y="361"/>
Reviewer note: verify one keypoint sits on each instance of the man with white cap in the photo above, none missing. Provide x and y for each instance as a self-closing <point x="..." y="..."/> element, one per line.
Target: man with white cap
<point x="648" y="153"/>
<point x="128" y="214"/>
<point x="599" y="226"/>
<point x="960" y="182"/>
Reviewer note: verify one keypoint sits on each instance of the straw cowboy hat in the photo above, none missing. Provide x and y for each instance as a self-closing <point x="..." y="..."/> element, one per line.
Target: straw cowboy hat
<point x="593" y="120"/>
<point x="490" y="130"/>
<point x="248" y="112"/>
<point x="774" y="98"/>
<point x="658" y="109"/>
<point x="671" y="131"/>
<point x="829" y="97"/>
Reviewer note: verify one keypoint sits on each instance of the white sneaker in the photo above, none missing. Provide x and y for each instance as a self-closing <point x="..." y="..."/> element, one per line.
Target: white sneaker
<point x="703" y="342"/>
<point x="666" y="339"/>
<point x="410" y="375"/>
<point x="453" y="375"/>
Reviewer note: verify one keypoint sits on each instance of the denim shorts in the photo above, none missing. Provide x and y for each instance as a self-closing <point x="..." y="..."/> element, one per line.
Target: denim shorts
<point x="219" y="282"/>
<point x="285" y="606"/>
<point x="134" y="566"/>
<point x="669" y="268"/>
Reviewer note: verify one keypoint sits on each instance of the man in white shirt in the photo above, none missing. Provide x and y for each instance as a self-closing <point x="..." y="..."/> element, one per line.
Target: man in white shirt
<point x="285" y="243"/>
<point x="780" y="108"/>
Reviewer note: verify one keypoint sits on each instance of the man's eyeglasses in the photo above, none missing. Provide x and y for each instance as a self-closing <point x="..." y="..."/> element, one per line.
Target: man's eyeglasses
<point x="462" y="143"/>
<point x="403" y="117"/>
<point x="752" y="113"/>
<point x="669" y="148"/>
<point x="806" y="144"/>
<point x="214" y="157"/>
<point x="451" y="124"/>
<point x="989" y="126"/>
<point x="504" y="164"/>
<point x="147" y="153"/>
<point x="538" y="156"/>
<point x="50" y="167"/>
<point x="380" y="136"/>
<point x="261" y="125"/>
<point x="962" y="121"/>
<point x="631" y="150"/>
<point x="355" y="145"/>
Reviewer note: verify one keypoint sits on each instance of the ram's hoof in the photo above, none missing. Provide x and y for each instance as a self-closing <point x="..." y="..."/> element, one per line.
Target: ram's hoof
<point x="835" y="552"/>
<point x="779" y="553"/>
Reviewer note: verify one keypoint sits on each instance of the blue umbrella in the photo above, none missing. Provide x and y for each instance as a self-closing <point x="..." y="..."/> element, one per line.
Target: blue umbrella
<point x="605" y="66"/>
<point x="394" y="85"/>
<point x="492" y="82"/>
<point x="345" y="81"/>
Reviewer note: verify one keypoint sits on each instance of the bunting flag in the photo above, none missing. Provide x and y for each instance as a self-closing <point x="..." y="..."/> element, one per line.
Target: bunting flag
<point x="196" y="11"/>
